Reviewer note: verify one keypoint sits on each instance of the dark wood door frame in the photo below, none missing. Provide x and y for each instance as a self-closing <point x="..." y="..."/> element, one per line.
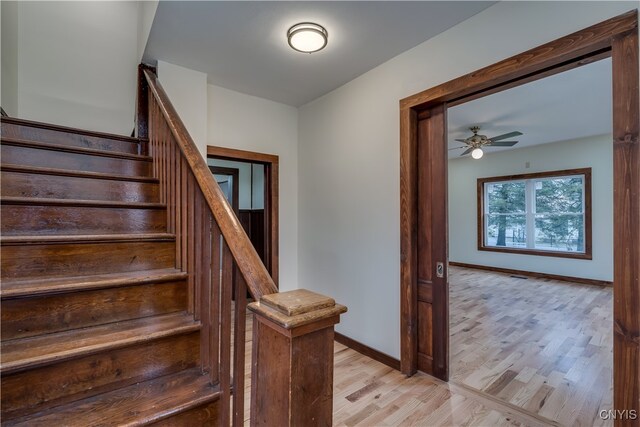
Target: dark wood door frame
<point x="271" y="197"/>
<point x="616" y="38"/>
<point x="235" y="185"/>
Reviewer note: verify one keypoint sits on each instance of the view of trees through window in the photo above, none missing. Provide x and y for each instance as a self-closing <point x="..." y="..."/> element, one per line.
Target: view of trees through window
<point x="541" y="213"/>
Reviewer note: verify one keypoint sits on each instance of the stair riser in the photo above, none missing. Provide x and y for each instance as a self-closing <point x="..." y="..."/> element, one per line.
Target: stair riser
<point x="77" y="259"/>
<point x="69" y="139"/>
<point x="26" y="317"/>
<point x="16" y="184"/>
<point x="41" y="388"/>
<point x="203" y="416"/>
<point x="23" y="220"/>
<point x="31" y="156"/>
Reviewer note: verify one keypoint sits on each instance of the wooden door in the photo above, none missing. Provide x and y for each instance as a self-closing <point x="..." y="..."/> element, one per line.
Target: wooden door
<point x="432" y="243"/>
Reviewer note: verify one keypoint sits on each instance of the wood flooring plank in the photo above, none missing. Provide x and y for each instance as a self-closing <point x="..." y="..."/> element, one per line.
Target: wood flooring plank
<point x="536" y="344"/>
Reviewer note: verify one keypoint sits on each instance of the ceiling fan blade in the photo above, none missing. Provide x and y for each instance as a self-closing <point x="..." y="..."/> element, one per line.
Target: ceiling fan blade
<point x="456" y="148"/>
<point x="505" y="136"/>
<point x="467" y="151"/>
<point x="461" y="140"/>
<point x="502" y="143"/>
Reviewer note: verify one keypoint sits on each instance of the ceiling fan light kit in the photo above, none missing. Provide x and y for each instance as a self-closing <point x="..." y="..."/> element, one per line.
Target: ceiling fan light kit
<point x="477" y="153"/>
<point x="475" y="143"/>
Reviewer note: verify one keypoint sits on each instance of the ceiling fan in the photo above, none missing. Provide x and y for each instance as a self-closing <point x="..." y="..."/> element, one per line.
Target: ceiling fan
<point x="475" y="142"/>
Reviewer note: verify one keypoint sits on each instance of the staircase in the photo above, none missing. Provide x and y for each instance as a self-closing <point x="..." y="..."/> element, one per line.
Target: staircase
<point x="96" y="321"/>
<point x="117" y="267"/>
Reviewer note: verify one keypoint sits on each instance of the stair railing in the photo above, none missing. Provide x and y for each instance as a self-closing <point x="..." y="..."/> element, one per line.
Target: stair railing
<point x="292" y="356"/>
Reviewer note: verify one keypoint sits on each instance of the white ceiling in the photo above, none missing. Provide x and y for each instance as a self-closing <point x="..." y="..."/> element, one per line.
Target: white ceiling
<point x="242" y="45"/>
<point x="569" y="105"/>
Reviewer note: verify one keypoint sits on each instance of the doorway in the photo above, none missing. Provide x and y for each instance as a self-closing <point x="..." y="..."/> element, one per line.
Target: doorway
<point x="423" y="179"/>
<point x="252" y="182"/>
<point x="229" y="181"/>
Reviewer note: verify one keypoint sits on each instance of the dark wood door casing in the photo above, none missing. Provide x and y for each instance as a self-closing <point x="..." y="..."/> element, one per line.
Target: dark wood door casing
<point x="617" y="38"/>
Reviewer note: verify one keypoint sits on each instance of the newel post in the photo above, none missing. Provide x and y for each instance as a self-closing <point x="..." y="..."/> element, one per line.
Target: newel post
<point x="292" y="362"/>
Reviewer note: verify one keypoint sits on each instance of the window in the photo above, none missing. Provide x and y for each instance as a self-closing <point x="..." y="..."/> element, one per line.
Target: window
<point x="547" y="213"/>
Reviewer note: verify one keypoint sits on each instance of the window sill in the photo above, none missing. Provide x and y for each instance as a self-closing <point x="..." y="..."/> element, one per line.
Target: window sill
<point x="576" y="255"/>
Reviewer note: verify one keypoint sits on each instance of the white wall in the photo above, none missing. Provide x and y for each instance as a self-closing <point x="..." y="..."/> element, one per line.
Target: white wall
<point x="9" y="81"/>
<point x="146" y="13"/>
<point x="594" y="152"/>
<point x="76" y="63"/>
<point x="187" y="90"/>
<point x="257" y="198"/>
<point x="246" y="122"/>
<point x="349" y="157"/>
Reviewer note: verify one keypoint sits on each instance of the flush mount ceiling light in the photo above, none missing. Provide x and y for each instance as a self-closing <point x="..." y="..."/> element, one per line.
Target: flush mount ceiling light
<point x="307" y="37"/>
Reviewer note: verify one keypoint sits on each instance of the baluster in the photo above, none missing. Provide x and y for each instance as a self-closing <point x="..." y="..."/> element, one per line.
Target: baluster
<point x="178" y="216"/>
<point x="178" y="225"/>
<point x="172" y="187"/>
<point x="161" y="158"/>
<point x="204" y="283"/>
<point x="164" y="165"/>
<point x="170" y="171"/>
<point x="197" y="250"/>
<point x="150" y="123"/>
<point x="154" y="128"/>
<point x="239" y="348"/>
<point x="191" y="192"/>
<point x="225" y="333"/>
<point x="156" y="159"/>
<point x="183" y="215"/>
<point x="214" y="310"/>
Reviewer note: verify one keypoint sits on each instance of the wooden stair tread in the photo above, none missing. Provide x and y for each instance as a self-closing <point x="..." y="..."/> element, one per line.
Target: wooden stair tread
<point x="24" y="288"/>
<point x="31" y="201"/>
<point x="71" y="149"/>
<point x="67" y="129"/>
<point x="26" y="353"/>
<point x="135" y="405"/>
<point x="9" y="167"/>
<point x="85" y="238"/>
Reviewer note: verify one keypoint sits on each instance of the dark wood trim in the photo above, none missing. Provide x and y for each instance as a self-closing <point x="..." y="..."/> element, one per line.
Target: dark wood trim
<point x="605" y="53"/>
<point x="243" y="155"/>
<point x="626" y="223"/>
<point x="535" y="274"/>
<point x="235" y="174"/>
<point x="49" y="126"/>
<point x="533" y="175"/>
<point x="142" y="107"/>
<point x="408" y="242"/>
<point x="588" y="253"/>
<point x="381" y="357"/>
<point x="271" y="198"/>
<point x="617" y="37"/>
<point x="575" y="47"/>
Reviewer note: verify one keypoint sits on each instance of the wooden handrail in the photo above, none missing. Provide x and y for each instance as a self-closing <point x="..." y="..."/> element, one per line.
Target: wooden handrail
<point x="288" y="386"/>
<point x="258" y="280"/>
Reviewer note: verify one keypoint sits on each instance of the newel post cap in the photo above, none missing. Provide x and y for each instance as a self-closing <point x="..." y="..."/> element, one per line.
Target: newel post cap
<point x="296" y="308"/>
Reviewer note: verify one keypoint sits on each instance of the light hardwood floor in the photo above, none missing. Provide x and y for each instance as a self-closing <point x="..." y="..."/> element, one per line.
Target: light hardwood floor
<point x="368" y="393"/>
<point x="540" y="345"/>
<point x="538" y="355"/>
